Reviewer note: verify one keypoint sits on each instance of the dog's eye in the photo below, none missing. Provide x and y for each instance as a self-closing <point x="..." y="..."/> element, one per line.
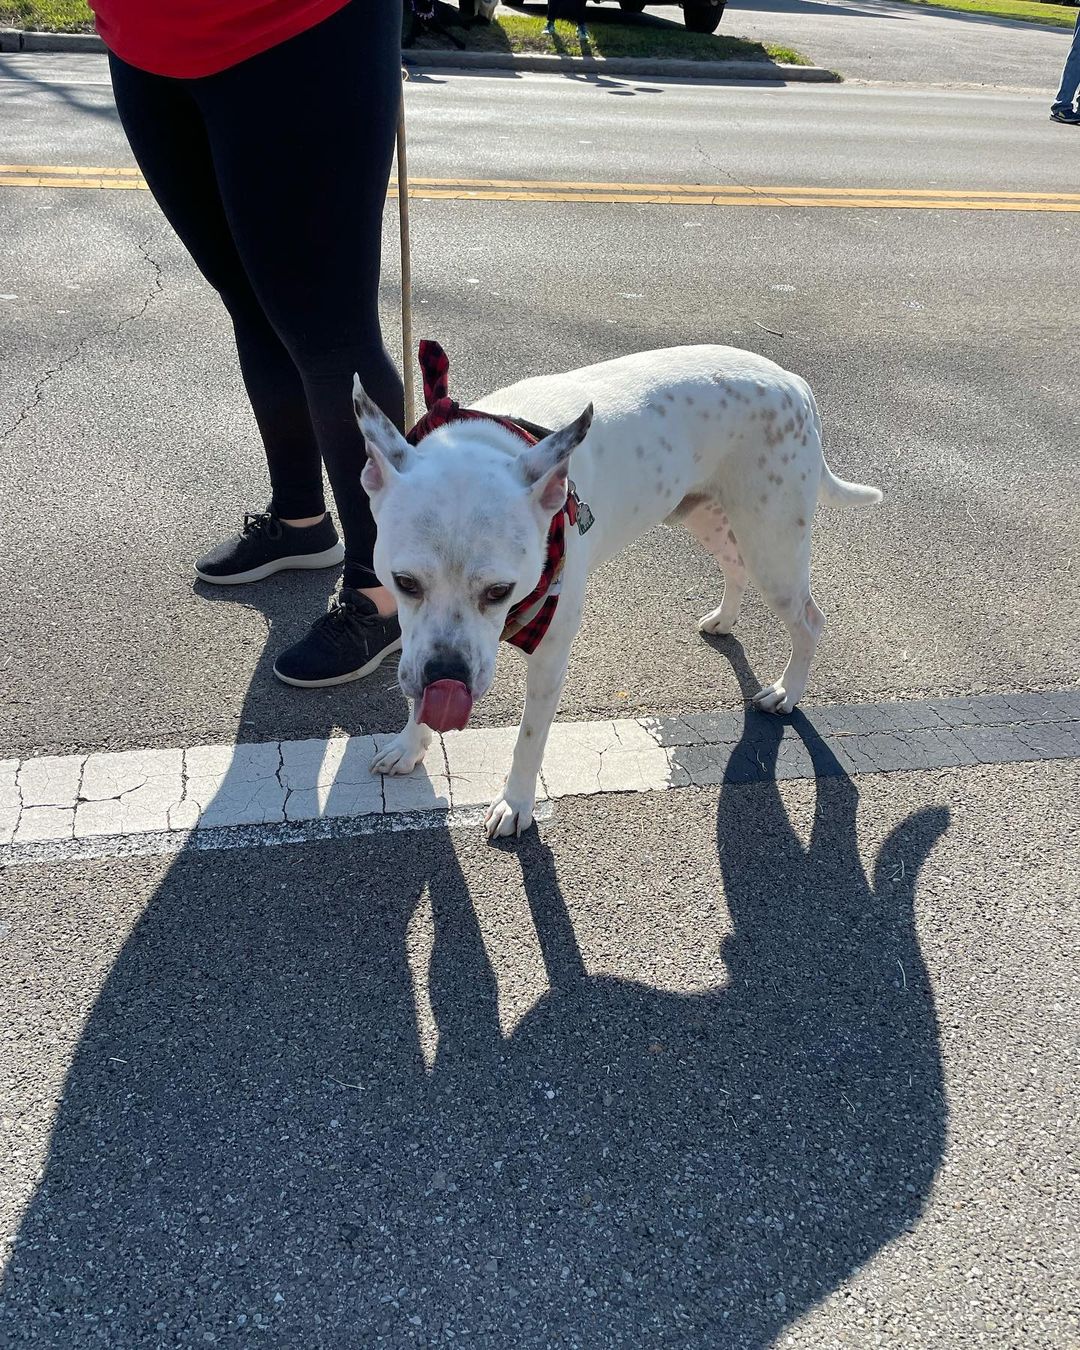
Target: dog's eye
<point x="497" y="593"/>
<point x="406" y="584"/>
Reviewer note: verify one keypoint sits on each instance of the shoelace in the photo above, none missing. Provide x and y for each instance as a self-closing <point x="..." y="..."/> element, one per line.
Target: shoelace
<point x="340" y="611"/>
<point x="342" y="616"/>
<point x="344" y="622"/>
<point x="261" y="522"/>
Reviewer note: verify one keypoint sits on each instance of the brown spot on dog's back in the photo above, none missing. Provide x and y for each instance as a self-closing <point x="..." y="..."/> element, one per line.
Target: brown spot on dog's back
<point x="775" y="478"/>
<point x="761" y="460"/>
<point x="639" y="450"/>
<point x="800" y="521"/>
<point x="731" y="536"/>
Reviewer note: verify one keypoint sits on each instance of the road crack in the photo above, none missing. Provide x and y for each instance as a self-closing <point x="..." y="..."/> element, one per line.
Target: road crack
<point x="157" y="286"/>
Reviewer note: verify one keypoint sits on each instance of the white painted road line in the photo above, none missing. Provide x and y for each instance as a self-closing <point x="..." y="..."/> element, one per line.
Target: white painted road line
<point x="128" y="792"/>
<point x="82" y="805"/>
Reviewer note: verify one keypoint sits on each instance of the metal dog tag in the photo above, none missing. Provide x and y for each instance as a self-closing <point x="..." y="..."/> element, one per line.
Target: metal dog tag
<point x="585" y="518"/>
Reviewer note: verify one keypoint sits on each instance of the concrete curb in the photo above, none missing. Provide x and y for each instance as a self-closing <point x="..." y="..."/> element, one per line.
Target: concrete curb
<point x="617" y="65"/>
<point x="16" y="40"/>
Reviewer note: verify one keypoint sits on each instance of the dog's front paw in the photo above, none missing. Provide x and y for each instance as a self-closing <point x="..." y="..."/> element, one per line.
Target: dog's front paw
<point x="400" y="755"/>
<point x="505" y="817"/>
<point x="717" y="622"/>
<point x="774" y="698"/>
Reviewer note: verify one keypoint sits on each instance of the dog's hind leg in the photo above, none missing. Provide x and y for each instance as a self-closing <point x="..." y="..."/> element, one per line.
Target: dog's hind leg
<point x="709" y="524"/>
<point x="805" y="623"/>
<point x="777" y="555"/>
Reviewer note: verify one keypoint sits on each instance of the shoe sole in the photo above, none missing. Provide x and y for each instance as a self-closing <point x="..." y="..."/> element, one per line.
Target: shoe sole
<point x="302" y="562"/>
<point x="373" y="664"/>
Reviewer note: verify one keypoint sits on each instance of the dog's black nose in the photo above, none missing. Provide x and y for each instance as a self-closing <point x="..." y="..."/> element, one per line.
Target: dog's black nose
<point x="446" y="666"/>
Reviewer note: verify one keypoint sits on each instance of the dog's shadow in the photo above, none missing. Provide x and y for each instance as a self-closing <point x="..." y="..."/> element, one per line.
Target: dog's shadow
<point x="251" y="1143"/>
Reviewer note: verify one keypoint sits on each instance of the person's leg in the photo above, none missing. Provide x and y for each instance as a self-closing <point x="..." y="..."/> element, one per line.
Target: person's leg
<point x="165" y="129"/>
<point x="1070" y="75"/>
<point x="302" y="138"/>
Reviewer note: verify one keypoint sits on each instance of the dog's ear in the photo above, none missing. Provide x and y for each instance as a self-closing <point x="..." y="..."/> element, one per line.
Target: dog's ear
<point x="547" y="463"/>
<point x="388" y="450"/>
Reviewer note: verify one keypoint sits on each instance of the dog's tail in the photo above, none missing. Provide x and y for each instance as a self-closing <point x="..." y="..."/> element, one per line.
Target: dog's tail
<point x="833" y="491"/>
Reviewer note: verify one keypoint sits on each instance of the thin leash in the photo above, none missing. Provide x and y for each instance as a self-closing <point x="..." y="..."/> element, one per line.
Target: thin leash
<point x="406" y="263"/>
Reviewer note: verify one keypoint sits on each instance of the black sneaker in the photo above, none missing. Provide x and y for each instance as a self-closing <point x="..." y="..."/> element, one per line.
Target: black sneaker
<point x="1069" y="115"/>
<point x="267" y="545"/>
<point x="347" y="643"/>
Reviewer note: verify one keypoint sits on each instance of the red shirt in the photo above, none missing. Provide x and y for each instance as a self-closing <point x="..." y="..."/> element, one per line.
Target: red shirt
<point x="191" y="38"/>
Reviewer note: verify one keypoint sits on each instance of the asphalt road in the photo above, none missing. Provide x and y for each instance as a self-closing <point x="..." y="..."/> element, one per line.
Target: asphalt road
<point x="926" y="334"/>
<point x="776" y="1065"/>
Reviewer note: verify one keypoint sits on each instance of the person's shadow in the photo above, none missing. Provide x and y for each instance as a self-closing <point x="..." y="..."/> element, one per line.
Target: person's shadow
<point x="251" y="1144"/>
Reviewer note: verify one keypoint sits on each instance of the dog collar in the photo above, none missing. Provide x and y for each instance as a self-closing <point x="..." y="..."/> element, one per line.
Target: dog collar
<point x="528" y="620"/>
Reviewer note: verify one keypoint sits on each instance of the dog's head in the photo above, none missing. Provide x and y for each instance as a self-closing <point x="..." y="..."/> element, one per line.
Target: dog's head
<point x="462" y="534"/>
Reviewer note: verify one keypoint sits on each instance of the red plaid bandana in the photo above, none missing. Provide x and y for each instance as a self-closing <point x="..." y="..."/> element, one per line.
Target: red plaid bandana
<point x="528" y="620"/>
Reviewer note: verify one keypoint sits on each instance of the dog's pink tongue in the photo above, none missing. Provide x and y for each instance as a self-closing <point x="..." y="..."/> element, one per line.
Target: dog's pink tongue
<point x="445" y="706"/>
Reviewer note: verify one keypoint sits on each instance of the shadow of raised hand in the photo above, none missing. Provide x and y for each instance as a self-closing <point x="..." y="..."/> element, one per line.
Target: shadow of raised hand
<point x="758" y="1144"/>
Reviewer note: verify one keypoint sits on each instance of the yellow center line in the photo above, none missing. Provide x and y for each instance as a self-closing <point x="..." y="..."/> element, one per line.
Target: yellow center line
<point x="641" y="194"/>
<point x="69" y="170"/>
<point x="773" y="189"/>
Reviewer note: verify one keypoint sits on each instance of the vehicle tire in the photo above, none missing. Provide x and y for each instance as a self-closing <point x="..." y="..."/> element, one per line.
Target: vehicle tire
<point x="702" y="16"/>
<point x="632" y="6"/>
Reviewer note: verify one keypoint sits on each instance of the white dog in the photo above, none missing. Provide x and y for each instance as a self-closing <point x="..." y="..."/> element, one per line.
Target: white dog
<point x="724" y="440"/>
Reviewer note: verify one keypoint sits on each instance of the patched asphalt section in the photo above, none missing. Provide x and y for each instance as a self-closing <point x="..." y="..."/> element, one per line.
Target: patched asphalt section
<point x="873" y="737"/>
<point x="793" y="1067"/>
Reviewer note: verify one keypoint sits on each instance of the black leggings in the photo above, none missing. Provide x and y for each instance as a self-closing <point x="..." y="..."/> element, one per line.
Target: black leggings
<point x="274" y="175"/>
